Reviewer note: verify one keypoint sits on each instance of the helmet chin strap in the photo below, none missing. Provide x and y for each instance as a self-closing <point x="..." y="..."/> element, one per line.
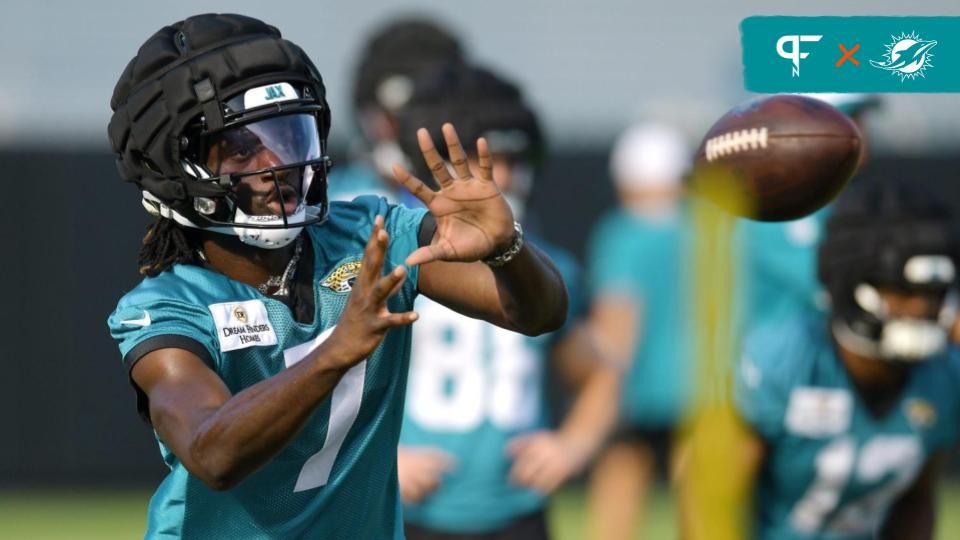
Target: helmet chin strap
<point x="912" y="340"/>
<point x="903" y="339"/>
<point x="260" y="238"/>
<point x="272" y="238"/>
<point x="267" y="238"/>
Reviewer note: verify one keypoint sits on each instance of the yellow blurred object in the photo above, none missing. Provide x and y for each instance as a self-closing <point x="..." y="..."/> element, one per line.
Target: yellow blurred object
<point x="715" y="454"/>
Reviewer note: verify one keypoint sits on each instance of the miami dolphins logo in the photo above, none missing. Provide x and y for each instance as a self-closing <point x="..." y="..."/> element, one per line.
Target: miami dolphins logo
<point x="907" y="56"/>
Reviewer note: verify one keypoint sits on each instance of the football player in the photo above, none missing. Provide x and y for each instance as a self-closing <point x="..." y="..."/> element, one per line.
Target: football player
<point x="391" y="60"/>
<point x="849" y="414"/>
<point x="478" y="455"/>
<point x="269" y="341"/>
<point x="639" y="316"/>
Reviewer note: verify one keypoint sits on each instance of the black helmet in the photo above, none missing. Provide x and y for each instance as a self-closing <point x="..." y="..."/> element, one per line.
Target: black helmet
<point x="205" y="93"/>
<point x="889" y="235"/>
<point x="394" y="56"/>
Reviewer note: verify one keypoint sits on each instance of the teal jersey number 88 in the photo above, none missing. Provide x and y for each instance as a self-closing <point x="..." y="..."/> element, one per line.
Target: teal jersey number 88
<point x="465" y="371"/>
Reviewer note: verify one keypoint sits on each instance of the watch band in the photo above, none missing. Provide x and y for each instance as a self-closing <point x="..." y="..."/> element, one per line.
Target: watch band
<point x="511" y="252"/>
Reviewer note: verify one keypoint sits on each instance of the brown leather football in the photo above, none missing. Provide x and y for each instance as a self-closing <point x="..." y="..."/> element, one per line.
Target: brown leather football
<point x="777" y="158"/>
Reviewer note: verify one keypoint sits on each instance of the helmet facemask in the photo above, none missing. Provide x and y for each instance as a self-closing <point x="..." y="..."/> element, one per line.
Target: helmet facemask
<point x="269" y="161"/>
<point x="870" y="325"/>
<point x="889" y="260"/>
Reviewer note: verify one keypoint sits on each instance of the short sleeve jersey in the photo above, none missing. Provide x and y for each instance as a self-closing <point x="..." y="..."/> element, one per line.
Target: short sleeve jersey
<point x="649" y="262"/>
<point x="832" y="469"/>
<point x="337" y="478"/>
<point x="473" y="387"/>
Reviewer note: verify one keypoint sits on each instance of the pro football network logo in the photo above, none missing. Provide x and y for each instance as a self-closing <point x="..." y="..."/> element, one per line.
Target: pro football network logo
<point x="907" y="56"/>
<point x="794" y="54"/>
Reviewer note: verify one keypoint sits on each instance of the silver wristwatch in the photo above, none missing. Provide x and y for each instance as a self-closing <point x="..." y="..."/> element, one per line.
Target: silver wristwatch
<point x="510" y="252"/>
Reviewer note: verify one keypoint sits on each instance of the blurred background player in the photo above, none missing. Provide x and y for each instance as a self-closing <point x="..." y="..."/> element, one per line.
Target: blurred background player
<point x="849" y="413"/>
<point x="394" y="55"/>
<point x="638" y="255"/>
<point x="477" y="454"/>
<point x="779" y="259"/>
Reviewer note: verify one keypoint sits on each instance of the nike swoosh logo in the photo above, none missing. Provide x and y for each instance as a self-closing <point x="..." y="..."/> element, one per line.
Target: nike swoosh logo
<point x="143" y="321"/>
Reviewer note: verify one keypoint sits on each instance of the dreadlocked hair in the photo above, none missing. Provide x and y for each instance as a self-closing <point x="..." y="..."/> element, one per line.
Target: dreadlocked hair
<point x="165" y="244"/>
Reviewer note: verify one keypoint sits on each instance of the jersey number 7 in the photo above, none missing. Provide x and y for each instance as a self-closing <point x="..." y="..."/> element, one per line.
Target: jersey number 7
<point x="344" y="407"/>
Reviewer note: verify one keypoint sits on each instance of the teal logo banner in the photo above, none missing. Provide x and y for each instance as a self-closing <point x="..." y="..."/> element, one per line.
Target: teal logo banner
<point x="851" y="54"/>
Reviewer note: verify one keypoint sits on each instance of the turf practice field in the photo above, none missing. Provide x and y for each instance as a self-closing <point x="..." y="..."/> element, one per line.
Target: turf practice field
<point x="109" y="515"/>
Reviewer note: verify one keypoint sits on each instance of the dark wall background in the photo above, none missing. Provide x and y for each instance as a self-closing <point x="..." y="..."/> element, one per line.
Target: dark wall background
<point x="70" y="231"/>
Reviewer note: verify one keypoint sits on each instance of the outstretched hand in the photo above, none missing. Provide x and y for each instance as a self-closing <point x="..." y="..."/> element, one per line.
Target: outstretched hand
<point x="474" y="220"/>
<point x="366" y="319"/>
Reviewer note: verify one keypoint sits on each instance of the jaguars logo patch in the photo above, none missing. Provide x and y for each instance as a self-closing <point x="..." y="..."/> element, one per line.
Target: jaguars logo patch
<point x="921" y="413"/>
<point x="341" y="279"/>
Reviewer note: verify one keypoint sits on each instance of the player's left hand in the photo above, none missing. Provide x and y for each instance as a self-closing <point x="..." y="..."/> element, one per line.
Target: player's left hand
<point x="474" y="221"/>
<point x="544" y="460"/>
<point x="420" y="471"/>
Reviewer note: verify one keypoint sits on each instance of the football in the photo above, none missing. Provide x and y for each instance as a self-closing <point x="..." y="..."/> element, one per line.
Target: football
<point x="777" y="158"/>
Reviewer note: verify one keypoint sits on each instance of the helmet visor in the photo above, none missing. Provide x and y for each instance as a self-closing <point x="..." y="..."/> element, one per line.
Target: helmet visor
<point x="280" y="141"/>
<point x="270" y="162"/>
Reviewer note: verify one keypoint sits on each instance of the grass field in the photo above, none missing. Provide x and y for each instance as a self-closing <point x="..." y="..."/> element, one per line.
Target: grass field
<point x="116" y="515"/>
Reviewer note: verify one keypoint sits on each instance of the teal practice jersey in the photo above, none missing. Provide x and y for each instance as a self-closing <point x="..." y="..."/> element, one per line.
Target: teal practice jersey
<point x="832" y="469"/>
<point x="649" y="262"/>
<point x="337" y="478"/>
<point x="473" y="386"/>
<point x="778" y="265"/>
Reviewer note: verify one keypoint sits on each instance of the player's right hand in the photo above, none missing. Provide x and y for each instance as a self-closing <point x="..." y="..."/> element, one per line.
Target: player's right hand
<point x="365" y="319"/>
<point x="419" y="471"/>
<point x="474" y="220"/>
